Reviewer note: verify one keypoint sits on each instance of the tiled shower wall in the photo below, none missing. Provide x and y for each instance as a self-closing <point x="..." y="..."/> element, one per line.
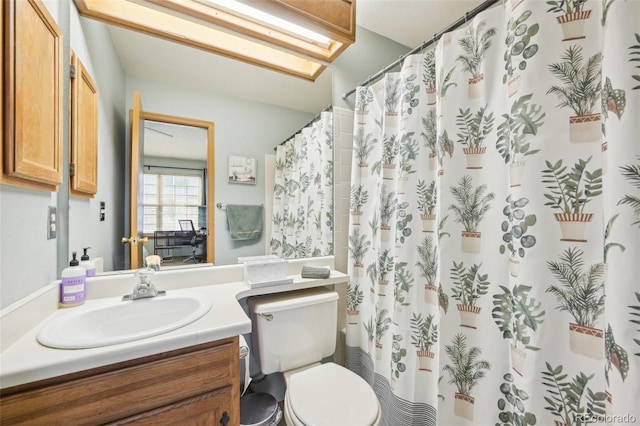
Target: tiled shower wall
<point x="342" y="151"/>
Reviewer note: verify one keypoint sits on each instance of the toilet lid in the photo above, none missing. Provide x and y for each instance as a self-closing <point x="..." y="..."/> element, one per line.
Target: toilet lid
<point x="333" y="396"/>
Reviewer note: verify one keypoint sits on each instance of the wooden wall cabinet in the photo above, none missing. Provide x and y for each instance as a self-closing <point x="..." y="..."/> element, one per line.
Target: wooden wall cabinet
<point x="196" y="385"/>
<point x="84" y="131"/>
<point x="32" y="95"/>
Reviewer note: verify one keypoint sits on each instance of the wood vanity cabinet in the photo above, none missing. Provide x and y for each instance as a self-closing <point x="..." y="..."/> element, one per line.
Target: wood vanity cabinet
<point x="32" y="92"/>
<point x="199" y="385"/>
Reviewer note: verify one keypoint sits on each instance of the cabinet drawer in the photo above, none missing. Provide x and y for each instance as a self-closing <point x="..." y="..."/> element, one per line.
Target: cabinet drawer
<point x="129" y="389"/>
<point x="207" y="409"/>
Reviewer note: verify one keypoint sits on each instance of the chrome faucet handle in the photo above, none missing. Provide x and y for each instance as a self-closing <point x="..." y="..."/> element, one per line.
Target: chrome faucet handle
<point x="144" y="287"/>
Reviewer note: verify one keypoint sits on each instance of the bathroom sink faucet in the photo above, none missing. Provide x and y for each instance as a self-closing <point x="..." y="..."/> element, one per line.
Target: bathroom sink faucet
<point x="144" y="287"/>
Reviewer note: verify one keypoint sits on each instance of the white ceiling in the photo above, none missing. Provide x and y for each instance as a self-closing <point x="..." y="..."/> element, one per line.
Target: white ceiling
<point x="409" y="22"/>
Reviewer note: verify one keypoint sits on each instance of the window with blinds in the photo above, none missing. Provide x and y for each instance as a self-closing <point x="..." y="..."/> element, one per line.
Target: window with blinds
<point x="169" y="198"/>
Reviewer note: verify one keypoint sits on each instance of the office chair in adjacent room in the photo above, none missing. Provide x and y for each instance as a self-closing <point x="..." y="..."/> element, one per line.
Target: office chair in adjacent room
<point x="198" y="242"/>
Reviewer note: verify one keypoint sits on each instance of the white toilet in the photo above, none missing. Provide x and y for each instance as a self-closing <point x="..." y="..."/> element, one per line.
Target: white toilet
<point x="291" y="333"/>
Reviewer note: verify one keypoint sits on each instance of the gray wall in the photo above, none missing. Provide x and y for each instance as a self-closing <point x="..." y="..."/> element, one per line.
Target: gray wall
<point x="91" y="42"/>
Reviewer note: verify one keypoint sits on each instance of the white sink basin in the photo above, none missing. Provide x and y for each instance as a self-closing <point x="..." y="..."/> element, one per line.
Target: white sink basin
<point x="113" y="321"/>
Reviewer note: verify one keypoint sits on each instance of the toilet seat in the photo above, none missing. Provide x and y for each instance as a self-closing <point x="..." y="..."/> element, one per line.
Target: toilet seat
<point x="330" y="395"/>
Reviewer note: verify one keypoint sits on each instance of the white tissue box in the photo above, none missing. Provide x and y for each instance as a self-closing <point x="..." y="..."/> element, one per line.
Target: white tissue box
<point x="266" y="271"/>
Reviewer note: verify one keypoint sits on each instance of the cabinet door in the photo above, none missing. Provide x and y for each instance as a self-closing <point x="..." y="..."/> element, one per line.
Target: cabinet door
<point x="84" y="131"/>
<point x="32" y="148"/>
<point x="211" y="408"/>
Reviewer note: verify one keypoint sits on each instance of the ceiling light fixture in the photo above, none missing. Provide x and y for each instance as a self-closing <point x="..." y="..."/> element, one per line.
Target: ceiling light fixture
<point x="253" y="14"/>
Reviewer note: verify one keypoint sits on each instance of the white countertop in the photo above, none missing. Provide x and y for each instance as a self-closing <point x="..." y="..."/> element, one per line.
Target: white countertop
<point x="26" y="360"/>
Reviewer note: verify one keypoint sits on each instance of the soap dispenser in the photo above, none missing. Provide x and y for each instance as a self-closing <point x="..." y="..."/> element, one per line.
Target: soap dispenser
<point x="73" y="286"/>
<point x="87" y="263"/>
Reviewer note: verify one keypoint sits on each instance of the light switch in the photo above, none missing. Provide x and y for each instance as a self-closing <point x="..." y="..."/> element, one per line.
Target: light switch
<point x="51" y="223"/>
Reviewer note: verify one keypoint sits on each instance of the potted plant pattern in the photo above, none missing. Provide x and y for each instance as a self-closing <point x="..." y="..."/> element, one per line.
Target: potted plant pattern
<point x="445" y="146"/>
<point x="570" y="191"/>
<point x="383" y="268"/>
<point x="580" y="292"/>
<point x="475" y="44"/>
<point x="635" y="315"/>
<point x="402" y="283"/>
<point x="383" y="322"/>
<point x="635" y="52"/>
<point x="516" y="314"/>
<point x="428" y="269"/>
<point x="468" y="286"/>
<point x="364" y="96"/>
<point x="573" y="402"/>
<point x="410" y="95"/>
<point x="289" y="223"/>
<point x="615" y="356"/>
<point x="424" y="335"/>
<point x="473" y="131"/>
<point x="427" y="200"/>
<point x="397" y="353"/>
<point x="279" y="192"/>
<point x="511" y="406"/>
<point x="465" y="371"/>
<point x="391" y="99"/>
<point x="354" y="299"/>
<point x="276" y="220"/>
<point x="580" y="92"/>
<point x="408" y="154"/>
<point x="519" y="49"/>
<point x="390" y="151"/>
<point x="429" y="76"/>
<point x="358" y="247"/>
<point x="472" y="206"/>
<point x="572" y="17"/>
<point x="359" y="197"/>
<point x="403" y="231"/>
<point x="430" y="137"/>
<point x="615" y="101"/>
<point x="445" y="83"/>
<point x="631" y="173"/>
<point x="514" y="228"/>
<point x="362" y="147"/>
<point x="280" y="164"/>
<point x="513" y="143"/>
<point x="388" y="204"/>
<point x="370" y="328"/>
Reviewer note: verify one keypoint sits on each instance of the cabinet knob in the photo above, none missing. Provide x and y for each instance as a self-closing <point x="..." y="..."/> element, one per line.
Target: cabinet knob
<point x="224" y="419"/>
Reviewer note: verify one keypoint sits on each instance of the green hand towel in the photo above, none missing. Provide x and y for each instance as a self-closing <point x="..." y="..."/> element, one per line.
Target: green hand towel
<point x="245" y="222"/>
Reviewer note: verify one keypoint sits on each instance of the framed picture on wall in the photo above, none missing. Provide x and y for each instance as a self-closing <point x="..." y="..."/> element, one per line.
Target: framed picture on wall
<point x="242" y="169"/>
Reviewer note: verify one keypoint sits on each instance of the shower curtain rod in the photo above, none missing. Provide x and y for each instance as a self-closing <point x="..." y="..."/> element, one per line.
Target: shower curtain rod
<point x="467" y="16"/>
<point x="329" y="108"/>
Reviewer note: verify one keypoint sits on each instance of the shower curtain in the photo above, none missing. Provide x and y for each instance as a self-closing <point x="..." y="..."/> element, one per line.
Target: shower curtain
<point x="494" y="238"/>
<point x="302" y="220"/>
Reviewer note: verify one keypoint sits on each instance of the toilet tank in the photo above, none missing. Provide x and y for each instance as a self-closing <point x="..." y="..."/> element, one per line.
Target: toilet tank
<point x="293" y="329"/>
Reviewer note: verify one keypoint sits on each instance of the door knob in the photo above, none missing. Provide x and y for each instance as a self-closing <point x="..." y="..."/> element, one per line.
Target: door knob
<point x="134" y="240"/>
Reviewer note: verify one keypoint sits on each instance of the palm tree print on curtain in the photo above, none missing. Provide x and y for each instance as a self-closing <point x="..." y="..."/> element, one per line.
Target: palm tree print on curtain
<point x="302" y="218"/>
<point x="495" y="193"/>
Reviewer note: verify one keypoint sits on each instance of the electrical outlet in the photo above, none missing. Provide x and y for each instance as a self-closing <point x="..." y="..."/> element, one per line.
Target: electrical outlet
<point x="52" y="223"/>
<point x="102" y="211"/>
